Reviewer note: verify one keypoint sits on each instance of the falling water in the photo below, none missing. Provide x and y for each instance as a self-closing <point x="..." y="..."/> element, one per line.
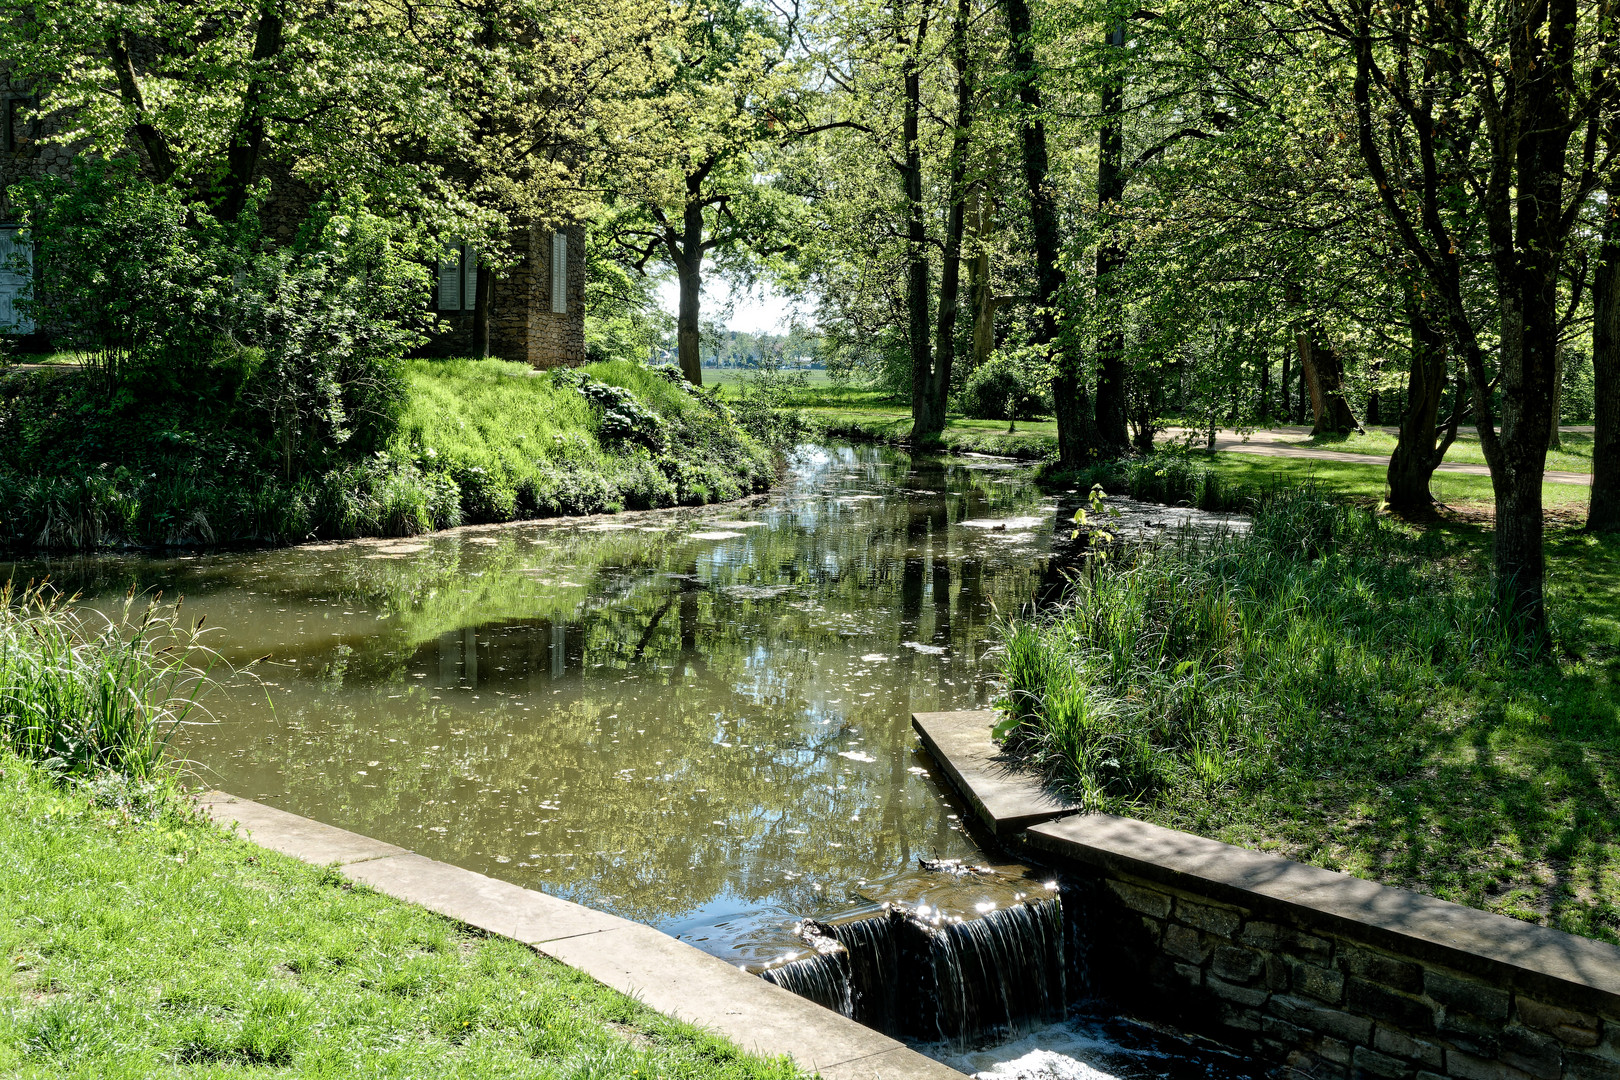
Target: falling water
<point x="913" y="973"/>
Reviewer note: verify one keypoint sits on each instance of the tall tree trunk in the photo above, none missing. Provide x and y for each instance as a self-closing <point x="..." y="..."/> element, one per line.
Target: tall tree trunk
<point x="981" y="285"/>
<point x="924" y="424"/>
<point x="1554" y="442"/>
<point x="242" y="158"/>
<point x="1111" y="369"/>
<point x="1604" y="513"/>
<point x="688" y="259"/>
<point x="951" y="271"/>
<point x="1264" y="410"/>
<point x="1286" y="408"/>
<point x="1076" y="417"/>
<point x="1416" y="456"/>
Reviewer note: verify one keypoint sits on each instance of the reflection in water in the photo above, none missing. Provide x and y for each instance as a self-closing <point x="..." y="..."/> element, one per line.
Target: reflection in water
<point x="698" y="719"/>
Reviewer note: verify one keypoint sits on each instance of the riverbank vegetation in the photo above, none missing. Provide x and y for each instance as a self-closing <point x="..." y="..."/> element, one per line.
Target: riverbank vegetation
<point x="1348" y="690"/>
<point x="106" y="459"/>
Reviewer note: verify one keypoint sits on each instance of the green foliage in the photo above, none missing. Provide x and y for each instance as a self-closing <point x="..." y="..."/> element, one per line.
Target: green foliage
<point x="85" y="694"/>
<point x="1001" y="384"/>
<point x="1211" y="664"/>
<point x="472" y="441"/>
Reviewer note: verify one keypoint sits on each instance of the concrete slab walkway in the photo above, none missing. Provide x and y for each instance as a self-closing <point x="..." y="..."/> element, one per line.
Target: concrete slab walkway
<point x="665" y="974"/>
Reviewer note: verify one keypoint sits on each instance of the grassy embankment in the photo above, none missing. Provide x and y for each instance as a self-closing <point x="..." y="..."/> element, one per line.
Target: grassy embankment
<point x="85" y="465"/>
<point x="1336" y="686"/>
<point x="145" y="942"/>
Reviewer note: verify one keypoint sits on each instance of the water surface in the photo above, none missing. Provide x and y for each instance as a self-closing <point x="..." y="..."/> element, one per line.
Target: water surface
<point x="695" y="719"/>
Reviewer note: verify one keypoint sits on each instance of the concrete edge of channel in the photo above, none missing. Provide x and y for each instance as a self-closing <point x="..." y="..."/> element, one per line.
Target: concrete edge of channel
<point x="1425" y="927"/>
<point x="667" y="975"/>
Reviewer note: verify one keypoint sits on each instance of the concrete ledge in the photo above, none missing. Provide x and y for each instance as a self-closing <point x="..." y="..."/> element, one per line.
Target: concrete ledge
<point x="1004" y="799"/>
<point x="669" y="976"/>
<point x="311" y="841"/>
<point x="1502" y="950"/>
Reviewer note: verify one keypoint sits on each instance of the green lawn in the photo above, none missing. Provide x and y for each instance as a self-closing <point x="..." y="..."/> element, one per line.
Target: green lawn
<point x="167" y="948"/>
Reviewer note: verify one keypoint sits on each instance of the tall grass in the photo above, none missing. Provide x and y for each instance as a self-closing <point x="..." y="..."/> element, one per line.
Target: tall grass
<point x="87" y="694"/>
<point x="1174" y="670"/>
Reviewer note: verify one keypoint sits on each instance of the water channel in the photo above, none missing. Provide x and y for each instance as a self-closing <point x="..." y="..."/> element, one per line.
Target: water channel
<point x="698" y="719"/>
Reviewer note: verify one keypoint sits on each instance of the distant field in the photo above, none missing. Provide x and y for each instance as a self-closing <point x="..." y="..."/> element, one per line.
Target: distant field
<point x="729" y="376"/>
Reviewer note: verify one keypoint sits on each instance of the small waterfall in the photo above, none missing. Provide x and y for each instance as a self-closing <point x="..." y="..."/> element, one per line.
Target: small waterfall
<point x="914" y="974"/>
<point x="993" y="976"/>
<point x="824" y="976"/>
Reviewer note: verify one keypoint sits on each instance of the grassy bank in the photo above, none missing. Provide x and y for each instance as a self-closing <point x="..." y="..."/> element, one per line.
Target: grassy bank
<point x="86" y="464"/>
<point x="164" y="947"/>
<point x="142" y="941"/>
<point x="1336" y="686"/>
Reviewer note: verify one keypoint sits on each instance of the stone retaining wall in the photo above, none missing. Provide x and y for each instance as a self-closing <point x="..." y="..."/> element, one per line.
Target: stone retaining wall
<point x="1324" y="975"/>
<point x="1330" y="1006"/>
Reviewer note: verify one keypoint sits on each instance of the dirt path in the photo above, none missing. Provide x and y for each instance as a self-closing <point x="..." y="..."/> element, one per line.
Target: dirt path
<point x="1279" y="443"/>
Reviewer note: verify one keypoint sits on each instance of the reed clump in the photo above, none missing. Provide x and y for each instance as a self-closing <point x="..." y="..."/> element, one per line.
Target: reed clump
<point x="91" y="695"/>
<point x="1202" y="664"/>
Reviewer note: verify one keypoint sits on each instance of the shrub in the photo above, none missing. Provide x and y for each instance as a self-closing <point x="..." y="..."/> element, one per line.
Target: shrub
<point x="1001" y="382"/>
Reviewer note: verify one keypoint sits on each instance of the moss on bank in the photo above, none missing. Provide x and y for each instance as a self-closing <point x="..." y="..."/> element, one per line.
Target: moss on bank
<point x="143" y="942"/>
<point x="87" y="465"/>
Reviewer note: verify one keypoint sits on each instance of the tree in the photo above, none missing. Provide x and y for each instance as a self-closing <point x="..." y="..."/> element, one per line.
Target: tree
<point x="1503" y="107"/>
<point x="685" y="184"/>
<point x="210" y="93"/>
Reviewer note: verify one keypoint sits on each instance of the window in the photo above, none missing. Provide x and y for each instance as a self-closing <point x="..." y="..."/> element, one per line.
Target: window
<point x="16" y="273"/>
<point x="19" y="126"/>
<point x="559" y="272"/>
<point x="458" y="278"/>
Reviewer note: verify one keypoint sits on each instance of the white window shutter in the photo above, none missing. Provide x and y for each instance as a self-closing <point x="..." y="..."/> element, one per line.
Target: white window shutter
<point x="469" y="277"/>
<point x="450" y="278"/>
<point x="559" y="272"/>
<point x="16" y="273"/>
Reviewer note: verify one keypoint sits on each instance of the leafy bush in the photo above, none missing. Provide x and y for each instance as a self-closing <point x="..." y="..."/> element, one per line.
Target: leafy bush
<point x="1001" y="383"/>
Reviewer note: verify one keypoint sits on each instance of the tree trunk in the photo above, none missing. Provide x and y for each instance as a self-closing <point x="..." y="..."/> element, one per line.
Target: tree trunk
<point x="924" y="424"/>
<point x="980" y="288"/>
<point x="688" y="339"/>
<point x="1604" y="513"/>
<point x="1286" y="409"/>
<point x="1412" y="465"/>
<point x="483" y="297"/>
<point x="951" y="271"/>
<point x="1264" y="411"/>
<point x="1111" y="369"/>
<point x="1076" y="417"/>
<point x="1323" y="374"/>
<point x="242" y="158"/>
<point x="1554" y="442"/>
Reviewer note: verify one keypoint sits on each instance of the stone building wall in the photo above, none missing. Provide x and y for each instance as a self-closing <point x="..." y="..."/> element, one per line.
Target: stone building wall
<point x="1327" y="976"/>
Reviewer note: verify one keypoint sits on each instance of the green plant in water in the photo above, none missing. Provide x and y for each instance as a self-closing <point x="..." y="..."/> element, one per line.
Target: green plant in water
<point x="88" y="694"/>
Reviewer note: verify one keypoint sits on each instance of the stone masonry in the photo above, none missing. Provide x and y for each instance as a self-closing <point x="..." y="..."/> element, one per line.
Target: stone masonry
<point x="1317" y="1002"/>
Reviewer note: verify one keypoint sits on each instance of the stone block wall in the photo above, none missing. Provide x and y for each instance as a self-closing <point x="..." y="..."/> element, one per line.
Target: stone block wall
<point x="1311" y="999"/>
